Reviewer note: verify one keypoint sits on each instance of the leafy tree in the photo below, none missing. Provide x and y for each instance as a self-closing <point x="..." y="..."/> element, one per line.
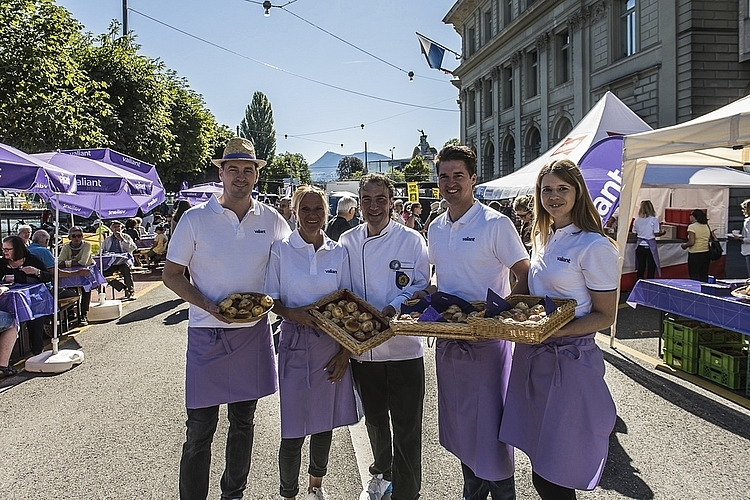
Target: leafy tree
<point x="258" y="127"/>
<point x="347" y="166"/>
<point x="452" y="142"/>
<point x="417" y="170"/>
<point x="291" y="165"/>
<point x="48" y="101"/>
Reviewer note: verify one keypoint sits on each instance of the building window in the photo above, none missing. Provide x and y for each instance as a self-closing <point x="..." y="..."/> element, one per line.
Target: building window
<point x="532" y="73"/>
<point x="509" y="156"/>
<point x="628" y="28"/>
<point x="508" y="11"/>
<point x="471" y="42"/>
<point x="487" y="26"/>
<point x="563" y="58"/>
<point x="507" y="87"/>
<point x="487" y="97"/>
<point x="533" y="144"/>
<point x="471" y="119"/>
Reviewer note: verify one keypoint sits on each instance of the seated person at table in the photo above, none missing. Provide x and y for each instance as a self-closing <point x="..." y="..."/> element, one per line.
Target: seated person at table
<point x="159" y="248"/>
<point x="119" y="242"/>
<point x="8" y="335"/>
<point x="78" y="252"/>
<point x="26" y="269"/>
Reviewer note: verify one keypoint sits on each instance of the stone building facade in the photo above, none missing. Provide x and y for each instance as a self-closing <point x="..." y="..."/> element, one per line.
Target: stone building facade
<point x="531" y="69"/>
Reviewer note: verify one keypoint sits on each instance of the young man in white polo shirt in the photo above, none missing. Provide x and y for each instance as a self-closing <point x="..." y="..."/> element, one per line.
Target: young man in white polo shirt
<point x="388" y="265"/>
<point x="225" y="243"/>
<point x="474" y="248"/>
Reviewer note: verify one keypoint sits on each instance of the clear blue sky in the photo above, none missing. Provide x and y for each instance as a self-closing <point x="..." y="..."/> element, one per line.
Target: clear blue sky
<point x="227" y="81"/>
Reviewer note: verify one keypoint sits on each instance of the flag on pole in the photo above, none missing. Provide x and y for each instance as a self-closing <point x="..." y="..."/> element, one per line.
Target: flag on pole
<point x="432" y="51"/>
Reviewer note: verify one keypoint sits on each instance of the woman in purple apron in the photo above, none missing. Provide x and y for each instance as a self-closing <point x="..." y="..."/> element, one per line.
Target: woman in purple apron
<point x="559" y="410"/>
<point x="315" y="381"/>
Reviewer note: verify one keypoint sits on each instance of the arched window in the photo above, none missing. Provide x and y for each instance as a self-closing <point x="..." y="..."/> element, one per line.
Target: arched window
<point x="509" y="156"/>
<point x="488" y="162"/>
<point x="533" y="144"/>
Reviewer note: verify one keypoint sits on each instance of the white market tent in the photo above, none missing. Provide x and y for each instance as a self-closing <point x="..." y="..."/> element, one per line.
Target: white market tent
<point x="609" y="117"/>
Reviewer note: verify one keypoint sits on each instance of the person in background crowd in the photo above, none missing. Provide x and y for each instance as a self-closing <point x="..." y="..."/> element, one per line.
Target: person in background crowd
<point x="469" y="413"/>
<point x="119" y="242"/>
<point x="285" y="209"/>
<point x="346" y="209"/>
<point x="26" y="269"/>
<point x="226" y="242"/>
<point x="697" y="246"/>
<point x="388" y="265"/>
<point x="523" y="206"/>
<point x="744" y="236"/>
<point x="24" y="232"/>
<point x="79" y="253"/>
<point x="398" y="209"/>
<point x="8" y="336"/>
<point x="415" y="218"/>
<point x="559" y="410"/>
<point x="646" y="228"/>
<point x="315" y="381"/>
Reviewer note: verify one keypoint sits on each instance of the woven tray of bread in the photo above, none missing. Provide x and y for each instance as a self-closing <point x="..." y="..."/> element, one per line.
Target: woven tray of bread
<point x="455" y="326"/>
<point x="245" y="307"/>
<point x="353" y="322"/>
<point x="527" y="322"/>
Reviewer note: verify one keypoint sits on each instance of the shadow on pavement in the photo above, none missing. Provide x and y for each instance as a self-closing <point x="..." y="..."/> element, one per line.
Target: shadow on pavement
<point x="150" y="312"/>
<point x="685" y="398"/>
<point x="619" y="474"/>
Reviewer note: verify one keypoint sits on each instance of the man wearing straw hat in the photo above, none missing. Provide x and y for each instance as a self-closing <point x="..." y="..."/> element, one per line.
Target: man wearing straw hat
<point x="225" y="244"/>
<point x="490" y="249"/>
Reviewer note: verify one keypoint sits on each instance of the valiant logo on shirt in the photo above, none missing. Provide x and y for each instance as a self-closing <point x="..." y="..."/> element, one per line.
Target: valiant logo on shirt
<point x="260" y="231"/>
<point x="564" y="259"/>
<point x="469" y="239"/>
<point x="331" y="271"/>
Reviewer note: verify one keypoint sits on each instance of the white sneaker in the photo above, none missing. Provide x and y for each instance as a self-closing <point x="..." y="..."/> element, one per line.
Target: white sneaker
<point x="377" y="487"/>
<point x="317" y="494"/>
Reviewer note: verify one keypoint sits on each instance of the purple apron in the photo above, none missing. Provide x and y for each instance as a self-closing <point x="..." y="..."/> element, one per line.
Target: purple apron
<point x="472" y="382"/>
<point x="559" y="410"/>
<point x="309" y="402"/>
<point x="229" y="365"/>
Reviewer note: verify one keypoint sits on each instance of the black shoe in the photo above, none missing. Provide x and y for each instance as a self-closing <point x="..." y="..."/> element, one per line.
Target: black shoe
<point x="7" y="371"/>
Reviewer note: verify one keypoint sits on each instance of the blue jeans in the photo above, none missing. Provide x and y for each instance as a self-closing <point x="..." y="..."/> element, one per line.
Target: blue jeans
<point x="476" y="488"/>
<point x="196" y="452"/>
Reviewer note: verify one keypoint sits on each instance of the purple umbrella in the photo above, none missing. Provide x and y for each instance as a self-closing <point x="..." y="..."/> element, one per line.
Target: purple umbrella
<point x="107" y="190"/>
<point x="22" y="172"/>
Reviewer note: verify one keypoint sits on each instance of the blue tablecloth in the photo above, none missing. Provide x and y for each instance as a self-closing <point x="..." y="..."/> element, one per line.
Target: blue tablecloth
<point x="27" y="302"/>
<point x="88" y="283"/>
<point x="684" y="297"/>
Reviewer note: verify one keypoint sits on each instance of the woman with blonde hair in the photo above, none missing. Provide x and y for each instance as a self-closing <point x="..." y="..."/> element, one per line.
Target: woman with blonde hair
<point x="646" y="228"/>
<point x="316" y="388"/>
<point x="559" y="410"/>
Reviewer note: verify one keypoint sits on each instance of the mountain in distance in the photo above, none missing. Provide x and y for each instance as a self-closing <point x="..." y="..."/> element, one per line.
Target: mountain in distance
<point x="324" y="168"/>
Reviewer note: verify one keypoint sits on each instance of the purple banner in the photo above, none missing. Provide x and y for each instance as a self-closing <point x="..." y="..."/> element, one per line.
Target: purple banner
<point x="601" y="167"/>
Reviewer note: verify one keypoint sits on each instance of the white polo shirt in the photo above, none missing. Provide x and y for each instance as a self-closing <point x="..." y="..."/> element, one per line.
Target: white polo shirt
<point x="225" y="255"/>
<point x="572" y="263"/>
<point x="298" y="275"/>
<point x="475" y="252"/>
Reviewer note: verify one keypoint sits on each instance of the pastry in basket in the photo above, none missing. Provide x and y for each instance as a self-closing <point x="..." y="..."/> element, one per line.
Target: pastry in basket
<point x="243" y="306"/>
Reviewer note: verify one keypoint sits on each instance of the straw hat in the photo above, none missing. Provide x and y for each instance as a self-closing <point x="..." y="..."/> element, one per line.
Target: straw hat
<point x="239" y="148"/>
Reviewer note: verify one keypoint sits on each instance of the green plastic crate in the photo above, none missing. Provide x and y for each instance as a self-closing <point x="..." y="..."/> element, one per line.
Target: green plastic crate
<point x="729" y="358"/>
<point x="694" y="332"/>
<point x="732" y="380"/>
<point x="688" y="365"/>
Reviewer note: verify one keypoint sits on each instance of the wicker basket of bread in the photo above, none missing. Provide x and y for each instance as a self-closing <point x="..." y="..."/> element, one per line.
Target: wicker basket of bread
<point x="527" y="322"/>
<point x="353" y="322"/>
<point x="455" y="324"/>
<point x="245" y="307"/>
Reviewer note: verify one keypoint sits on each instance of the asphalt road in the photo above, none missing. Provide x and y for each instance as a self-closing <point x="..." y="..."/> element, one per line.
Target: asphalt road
<point x="113" y="426"/>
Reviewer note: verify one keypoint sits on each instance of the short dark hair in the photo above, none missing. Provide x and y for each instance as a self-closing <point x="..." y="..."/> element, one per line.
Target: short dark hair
<point x="460" y="153"/>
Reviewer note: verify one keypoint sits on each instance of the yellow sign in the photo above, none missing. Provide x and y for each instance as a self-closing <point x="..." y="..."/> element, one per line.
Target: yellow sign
<point x="412" y="188"/>
<point x="436" y="193"/>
